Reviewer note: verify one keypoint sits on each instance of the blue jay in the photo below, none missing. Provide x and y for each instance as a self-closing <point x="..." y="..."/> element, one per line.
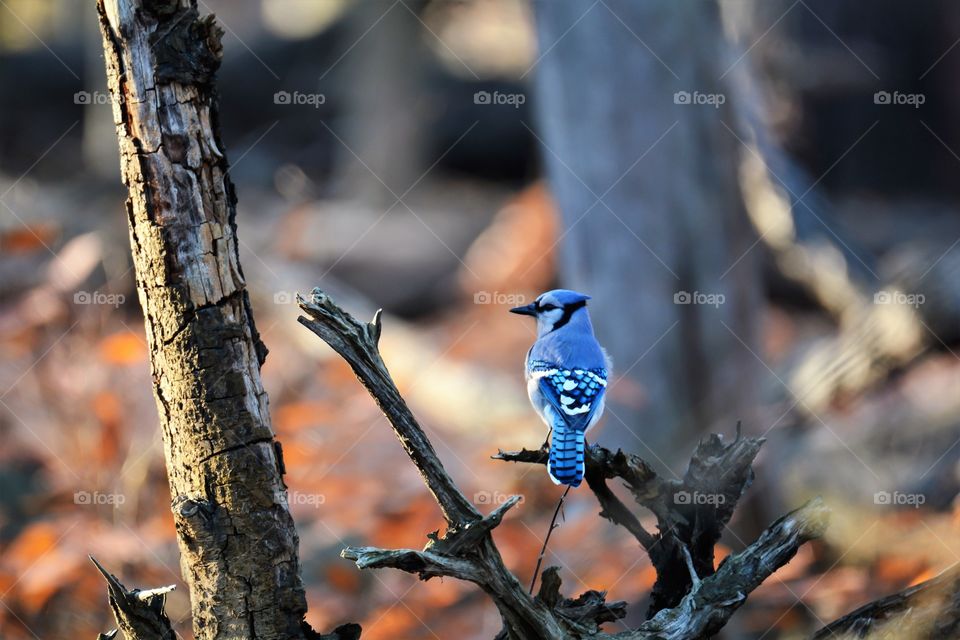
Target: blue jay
<point x="566" y="372"/>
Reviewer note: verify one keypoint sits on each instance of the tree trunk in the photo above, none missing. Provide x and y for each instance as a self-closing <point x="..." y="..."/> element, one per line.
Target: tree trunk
<point x="384" y="111"/>
<point x="647" y="186"/>
<point x="236" y="536"/>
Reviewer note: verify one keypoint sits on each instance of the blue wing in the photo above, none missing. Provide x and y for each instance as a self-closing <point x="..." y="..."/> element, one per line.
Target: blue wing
<point x="574" y="394"/>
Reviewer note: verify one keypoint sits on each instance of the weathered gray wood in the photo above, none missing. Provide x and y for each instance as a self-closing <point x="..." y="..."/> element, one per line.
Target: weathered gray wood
<point x="691" y="512"/>
<point x="357" y="343"/>
<point x="708" y="606"/>
<point x="467" y="550"/>
<point x="460" y="553"/>
<point x="139" y="613"/>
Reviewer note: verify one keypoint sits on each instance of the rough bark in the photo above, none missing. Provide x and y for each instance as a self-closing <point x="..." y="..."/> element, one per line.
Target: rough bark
<point x="237" y="540"/>
<point x="647" y="191"/>
<point x="696" y="606"/>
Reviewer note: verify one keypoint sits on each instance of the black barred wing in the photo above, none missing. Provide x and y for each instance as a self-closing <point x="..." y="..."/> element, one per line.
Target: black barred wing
<point x="575" y="394"/>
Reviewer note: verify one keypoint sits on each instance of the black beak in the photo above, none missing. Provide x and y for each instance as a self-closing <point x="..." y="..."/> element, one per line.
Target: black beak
<point x="528" y="310"/>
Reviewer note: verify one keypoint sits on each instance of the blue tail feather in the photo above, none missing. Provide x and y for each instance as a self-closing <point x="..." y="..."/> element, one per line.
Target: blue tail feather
<point x="566" y="456"/>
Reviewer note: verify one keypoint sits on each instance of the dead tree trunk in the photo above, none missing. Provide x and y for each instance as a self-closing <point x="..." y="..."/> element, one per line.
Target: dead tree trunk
<point x="237" y="539"/>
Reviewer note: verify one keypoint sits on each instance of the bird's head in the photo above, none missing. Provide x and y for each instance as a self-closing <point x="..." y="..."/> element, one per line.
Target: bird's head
<point x="553" y="309"/>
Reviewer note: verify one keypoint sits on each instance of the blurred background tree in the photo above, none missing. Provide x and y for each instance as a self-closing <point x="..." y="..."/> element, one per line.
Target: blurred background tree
<point x="645" y="177"/>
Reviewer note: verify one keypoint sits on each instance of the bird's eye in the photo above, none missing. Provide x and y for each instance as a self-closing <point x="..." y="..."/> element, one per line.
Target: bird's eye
<point x="548" y="307"/>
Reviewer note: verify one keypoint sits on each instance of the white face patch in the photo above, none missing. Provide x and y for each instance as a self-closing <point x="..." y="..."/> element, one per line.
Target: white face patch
<point x="547" y="319"/>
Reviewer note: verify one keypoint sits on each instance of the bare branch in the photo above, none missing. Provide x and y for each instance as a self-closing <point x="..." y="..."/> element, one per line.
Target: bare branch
<point x="691" y="513"/>
<point x="700" y="599"/>
<point x="357" y="344"/>
<point x="139" y="613"/>
<point x="426" y="564"/>
<point x="704" y="611"/>
<point x="451" y="555"/>
<point x="930" y="609"/>
<point x="467" y="550"/>
<point x="471" y="535"/>
<point x="586" y="613"/>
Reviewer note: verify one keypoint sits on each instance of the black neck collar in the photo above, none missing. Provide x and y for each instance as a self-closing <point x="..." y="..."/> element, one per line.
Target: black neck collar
<point x="568" y="311"/>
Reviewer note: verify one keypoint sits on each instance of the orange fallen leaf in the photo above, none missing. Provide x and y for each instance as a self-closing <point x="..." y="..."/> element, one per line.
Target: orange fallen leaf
<point x="123" y="348"/>
<point x="894" y="569"/>
<point x="298" y="415"/>
<point x="34" y="541"/>
<point x="28" y="238"/>
<point x="923" y="576"/>
<point x="395" y="622"/>
<point x="109" y="412"/>
<point x="343" y="578"/>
